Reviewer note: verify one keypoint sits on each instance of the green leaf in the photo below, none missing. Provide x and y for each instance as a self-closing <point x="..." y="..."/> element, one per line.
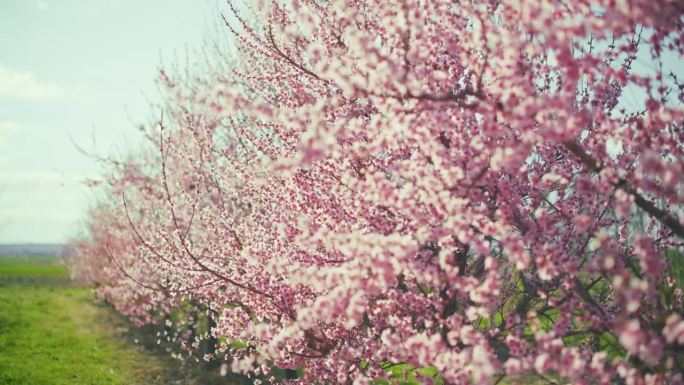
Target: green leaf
<point x="676" y="261"/>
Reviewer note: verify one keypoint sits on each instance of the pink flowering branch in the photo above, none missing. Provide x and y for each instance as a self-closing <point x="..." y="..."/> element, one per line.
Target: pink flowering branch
<point x="660" y="215"/>
<point x="413" y="188"/>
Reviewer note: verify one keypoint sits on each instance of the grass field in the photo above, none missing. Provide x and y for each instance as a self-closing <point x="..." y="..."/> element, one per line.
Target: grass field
<point x="52" y="332"/>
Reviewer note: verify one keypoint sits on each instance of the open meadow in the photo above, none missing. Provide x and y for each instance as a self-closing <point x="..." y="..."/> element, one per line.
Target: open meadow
<point x="54" y="332"/>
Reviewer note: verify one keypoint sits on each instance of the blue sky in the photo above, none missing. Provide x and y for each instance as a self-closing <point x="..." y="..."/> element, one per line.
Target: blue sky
<point x="83" y="69"/>
<point x="86" y="69"/>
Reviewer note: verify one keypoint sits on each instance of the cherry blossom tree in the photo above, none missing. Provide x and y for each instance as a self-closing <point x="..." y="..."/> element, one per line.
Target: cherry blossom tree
<point x="455" y="192"/>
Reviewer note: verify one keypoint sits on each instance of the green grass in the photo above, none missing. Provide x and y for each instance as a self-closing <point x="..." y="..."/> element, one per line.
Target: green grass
<point x="52" y="332"/>
<point x="17" y="268"/>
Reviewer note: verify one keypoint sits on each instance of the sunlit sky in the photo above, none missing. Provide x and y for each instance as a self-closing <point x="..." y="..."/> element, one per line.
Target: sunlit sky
<point x="85" y="69"/>
<point x="82" y="69"/>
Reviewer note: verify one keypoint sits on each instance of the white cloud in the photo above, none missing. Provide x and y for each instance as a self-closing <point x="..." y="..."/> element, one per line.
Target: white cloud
<point x="31" y="177"/>
<point x="7" y="127"/>
<point x="37" y="176"/>
<point x="52" y="178"/>
<point x="17" y="84"/>
<point x="6" y="130"/>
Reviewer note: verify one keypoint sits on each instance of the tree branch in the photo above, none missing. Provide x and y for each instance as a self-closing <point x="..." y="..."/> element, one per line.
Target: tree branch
<point x="662" y="216"/>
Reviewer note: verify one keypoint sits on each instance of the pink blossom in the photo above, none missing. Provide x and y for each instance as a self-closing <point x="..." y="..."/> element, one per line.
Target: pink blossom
<point x="474" y="189"/>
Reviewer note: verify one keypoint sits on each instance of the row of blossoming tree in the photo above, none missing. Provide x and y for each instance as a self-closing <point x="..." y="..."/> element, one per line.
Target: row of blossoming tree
<point x="467" y="191"/>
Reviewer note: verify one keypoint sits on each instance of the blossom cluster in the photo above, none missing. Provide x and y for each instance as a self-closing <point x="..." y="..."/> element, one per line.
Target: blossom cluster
<point x="458" y="192"/>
